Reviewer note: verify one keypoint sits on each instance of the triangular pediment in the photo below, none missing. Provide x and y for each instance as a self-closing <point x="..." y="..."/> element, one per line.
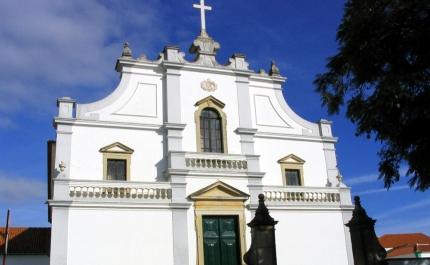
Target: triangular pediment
<point x="117" y="148"/>
<point x="291" y="159"/>
<point x="220" y="191"/>
<point x="210" y="101"/>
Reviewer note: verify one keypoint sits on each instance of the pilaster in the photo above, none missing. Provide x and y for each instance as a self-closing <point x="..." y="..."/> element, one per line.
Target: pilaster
<point x="331" y="163"/>
<point x="59" y="236"/>
<point x="65" y="107"/>
<point x="347" y="208"/>
<point x="244" y="107"/>
<point x="64" y="149"/>
<point x="179" y="207"/>
<point x="173" y="124"/>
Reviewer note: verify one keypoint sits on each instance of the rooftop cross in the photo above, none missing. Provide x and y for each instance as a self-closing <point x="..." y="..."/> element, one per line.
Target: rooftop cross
<point x="202" y="8"/>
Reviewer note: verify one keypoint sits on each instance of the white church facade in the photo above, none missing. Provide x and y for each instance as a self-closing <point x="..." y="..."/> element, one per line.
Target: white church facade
<point x="167" y="169"/>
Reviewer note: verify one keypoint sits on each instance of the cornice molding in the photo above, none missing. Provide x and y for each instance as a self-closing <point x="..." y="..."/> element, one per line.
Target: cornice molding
<point x="106" y="124"/>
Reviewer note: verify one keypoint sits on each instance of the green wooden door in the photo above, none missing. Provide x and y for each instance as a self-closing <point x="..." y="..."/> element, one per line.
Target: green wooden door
<point x="220" y="240"/>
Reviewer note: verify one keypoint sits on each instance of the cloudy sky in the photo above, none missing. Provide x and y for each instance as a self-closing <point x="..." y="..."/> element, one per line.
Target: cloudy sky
<point x="50" y="49"/>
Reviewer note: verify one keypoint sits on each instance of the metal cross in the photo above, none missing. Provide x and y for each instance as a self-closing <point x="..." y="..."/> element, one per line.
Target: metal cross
<point x="202" y="8"/>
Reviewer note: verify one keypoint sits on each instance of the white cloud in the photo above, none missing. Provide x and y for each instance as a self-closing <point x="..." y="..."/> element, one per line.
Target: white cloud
<point x="372" y="191"/>
<point x="361" y="179"/>
<point x="5" y="122"/>
<point x="372" y="177"/>
<point x="423" y="204"/>
<point x="399" y="226"/>
<point x="18" y="190"/>
<point x="51" y="49"/>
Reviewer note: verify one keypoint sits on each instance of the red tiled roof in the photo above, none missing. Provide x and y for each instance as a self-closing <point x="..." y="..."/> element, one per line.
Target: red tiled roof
<point x="408" y="249"/>
<point x="397" y="240"/>
<point x="26" y="240"/>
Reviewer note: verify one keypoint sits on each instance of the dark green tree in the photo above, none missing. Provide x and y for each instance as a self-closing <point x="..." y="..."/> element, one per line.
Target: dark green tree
<point x="381" y="74"/>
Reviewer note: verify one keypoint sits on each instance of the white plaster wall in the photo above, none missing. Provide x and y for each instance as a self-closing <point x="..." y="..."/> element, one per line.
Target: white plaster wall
<point x="26" y="259"/>
<point x="147" y="161"/>
<point x="140" y="95"/>
<point x="304" y="237"/>
<point x="191" y="92"/>
<point x="120" y="236"/>
<point x="271" y="150"/>
<point x="267" y="114"/>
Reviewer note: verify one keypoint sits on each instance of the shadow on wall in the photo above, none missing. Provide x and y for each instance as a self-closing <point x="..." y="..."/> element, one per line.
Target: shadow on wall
<point x="162" y="164"/>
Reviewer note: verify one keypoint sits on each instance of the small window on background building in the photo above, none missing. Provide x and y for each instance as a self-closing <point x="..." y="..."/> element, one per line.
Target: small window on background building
<point x="210" y="131"/>
<point x="292" y="177"/>
<point x="116" y="169"/>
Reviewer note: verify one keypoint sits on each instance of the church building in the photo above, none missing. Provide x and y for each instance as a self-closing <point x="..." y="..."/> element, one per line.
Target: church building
<point x="167" y="169"/>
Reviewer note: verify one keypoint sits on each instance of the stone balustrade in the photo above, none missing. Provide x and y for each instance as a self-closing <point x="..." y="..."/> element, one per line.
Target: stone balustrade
<point x="119" y="192"/>
<point x="301" y="194"/>
<point x="215" y="163"/>
<point x="200" y="161"/>
<point x="108" y="189"/>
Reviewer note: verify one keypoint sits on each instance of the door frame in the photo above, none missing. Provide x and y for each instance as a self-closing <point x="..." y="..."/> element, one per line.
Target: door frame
<point x="219" y="199"/>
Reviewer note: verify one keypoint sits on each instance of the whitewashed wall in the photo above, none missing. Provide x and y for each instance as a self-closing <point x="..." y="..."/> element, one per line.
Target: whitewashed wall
<point x="147" y="161"/>
<point x="119" y="236"/>
<point x="310" y="237"/>
<point x="191" y="92"/>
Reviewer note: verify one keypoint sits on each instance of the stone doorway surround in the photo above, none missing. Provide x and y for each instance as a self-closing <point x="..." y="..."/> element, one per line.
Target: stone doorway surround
<point x="219" y="199"/>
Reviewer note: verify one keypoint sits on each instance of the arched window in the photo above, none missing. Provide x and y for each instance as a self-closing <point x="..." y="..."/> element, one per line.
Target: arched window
<point x="211" y="125"/>
<point x="210" y="131"/>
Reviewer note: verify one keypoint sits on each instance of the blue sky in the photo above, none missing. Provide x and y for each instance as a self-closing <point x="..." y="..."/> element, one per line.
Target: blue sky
<point x="50" y="49"/>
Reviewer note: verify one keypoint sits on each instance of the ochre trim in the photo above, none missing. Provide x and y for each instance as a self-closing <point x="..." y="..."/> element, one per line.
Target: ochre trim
<point x="292" y="162"/>
<point x="219" y="199"/>
<point x="213" y="103"/>
<point x="116" y="151"/>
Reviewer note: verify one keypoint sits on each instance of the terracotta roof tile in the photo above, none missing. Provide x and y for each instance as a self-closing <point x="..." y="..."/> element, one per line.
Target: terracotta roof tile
<point x="26" y="240"/>
<point x="397" y="240"/>
<point x="408" y="249"/>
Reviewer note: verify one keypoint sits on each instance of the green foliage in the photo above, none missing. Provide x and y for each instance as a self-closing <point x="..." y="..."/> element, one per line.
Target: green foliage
<point x="382" y="74"/>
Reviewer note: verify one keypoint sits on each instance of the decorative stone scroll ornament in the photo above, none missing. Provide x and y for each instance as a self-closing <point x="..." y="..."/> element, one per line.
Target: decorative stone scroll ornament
<point x="262" y="72"/>
<point x="208" y="85"/>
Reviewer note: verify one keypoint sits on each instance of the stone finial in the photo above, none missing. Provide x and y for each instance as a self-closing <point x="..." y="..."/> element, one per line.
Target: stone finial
<point x="274" y="71"/>
<point x="366" y="248"/>
<point x="359" y="212"/>
<point x="263" y="244"/>
<point x="126" y="53"/>
<point x="62" y="166"/>
<point x="262" y="214"/>
<point x="339" y="178"/>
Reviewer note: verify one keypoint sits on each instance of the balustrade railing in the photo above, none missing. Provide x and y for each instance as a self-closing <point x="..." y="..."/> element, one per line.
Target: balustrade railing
<point x="215" y="163"/>
<point x="313" y="195"/>
<point x="110" y="189"/>
<point x="119" y="192"/>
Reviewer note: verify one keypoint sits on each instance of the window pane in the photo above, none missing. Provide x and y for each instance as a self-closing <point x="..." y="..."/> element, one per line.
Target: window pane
<point x="210" y="131"/>
<point x="116" y="169"/>
<point x="292" y="177"/>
